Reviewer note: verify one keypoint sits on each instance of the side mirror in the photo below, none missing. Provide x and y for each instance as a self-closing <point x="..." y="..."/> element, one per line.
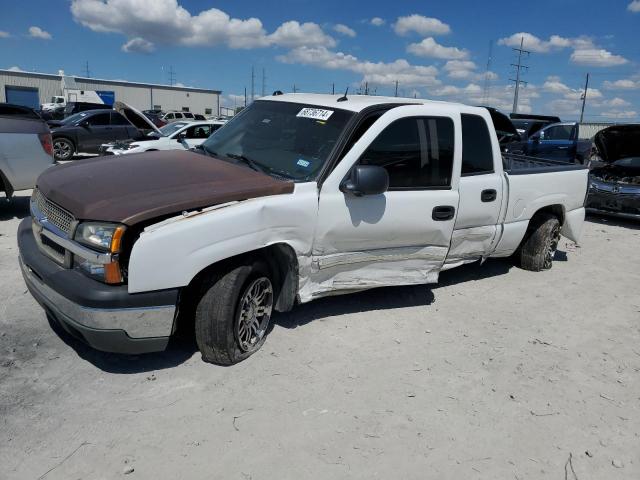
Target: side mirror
<point x="181" y="137"/>
<point x="84" y="124"/>
<point x="366" y="180"/>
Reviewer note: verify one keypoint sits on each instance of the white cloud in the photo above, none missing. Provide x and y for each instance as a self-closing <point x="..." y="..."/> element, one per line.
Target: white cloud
<point x="377" y="21"/>
<point x="37" y="32"/>
<point x="618" y="114"/>
<point x="597" y="57"/>
<point x="15" y="68"/>
<point x="634" y="6"/>
<point x="4" y="34"/>
<point x="167" y="22"/>
<point x="585" y="52"/>
<point x="534" y="44"/>
<point x="293" y="34"/>
<point x="554" y="85"/>
<point x="616" y="102"/>
<point x="138" y="45"/>
<point x="500" y="97"/>
<point x="344" y="30"/>
<point x="622" y="84"/>
<point x="376" y="73"/>
<point x="430" y="48"/>
<point x="421" y="25"/>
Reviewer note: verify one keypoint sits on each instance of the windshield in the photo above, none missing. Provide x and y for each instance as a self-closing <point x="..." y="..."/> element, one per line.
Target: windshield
<point x="74" y="118"/>
<point x="169" y="129"/>
<point x="289" y="139"/>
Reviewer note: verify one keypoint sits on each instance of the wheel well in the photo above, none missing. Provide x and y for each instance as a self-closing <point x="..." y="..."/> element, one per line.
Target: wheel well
<point x="555" y="210"/>
<point x="283" y="265"/>
<point x="64" y="137"/>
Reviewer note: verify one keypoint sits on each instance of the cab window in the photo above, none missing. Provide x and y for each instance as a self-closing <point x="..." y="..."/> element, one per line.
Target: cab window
<point x="416" y="152"/>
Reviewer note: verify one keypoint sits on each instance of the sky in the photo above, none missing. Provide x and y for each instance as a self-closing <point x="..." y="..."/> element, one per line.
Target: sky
<point x="457" y="50"/>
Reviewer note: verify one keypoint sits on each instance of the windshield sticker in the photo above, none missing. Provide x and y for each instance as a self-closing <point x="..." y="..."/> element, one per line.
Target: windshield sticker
<point x="303" y="163"/>
<point x="315" y="113"/>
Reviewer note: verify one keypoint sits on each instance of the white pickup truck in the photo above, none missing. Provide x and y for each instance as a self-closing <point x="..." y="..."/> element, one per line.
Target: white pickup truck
<point x="298" y="197"/>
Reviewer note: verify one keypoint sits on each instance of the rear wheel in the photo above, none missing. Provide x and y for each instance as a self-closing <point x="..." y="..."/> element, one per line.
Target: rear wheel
<point x="233" y="314"/>
<point x="540" y="245"/>
<point x="63" y="149"/>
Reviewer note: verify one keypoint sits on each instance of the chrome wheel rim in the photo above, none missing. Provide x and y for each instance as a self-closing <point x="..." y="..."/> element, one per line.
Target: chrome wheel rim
<point x="61" y="149"/>
<point x="552" y="246"/>
<point x="254" y="313"/>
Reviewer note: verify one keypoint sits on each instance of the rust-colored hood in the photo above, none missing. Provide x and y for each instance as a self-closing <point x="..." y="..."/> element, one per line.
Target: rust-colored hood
<point x="133" y="188"/>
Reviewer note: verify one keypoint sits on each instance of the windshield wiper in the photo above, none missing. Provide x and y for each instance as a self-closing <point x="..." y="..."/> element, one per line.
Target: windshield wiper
<point x="253" y="165"/>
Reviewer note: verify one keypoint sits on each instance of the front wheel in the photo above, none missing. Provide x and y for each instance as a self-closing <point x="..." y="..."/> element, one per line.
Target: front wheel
<point x="63" y="149"/>
<point x="541" y="243"/>
<point x="233" y="314"/>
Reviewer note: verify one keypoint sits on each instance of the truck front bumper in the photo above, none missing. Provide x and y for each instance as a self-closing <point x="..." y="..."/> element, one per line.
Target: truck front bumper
<point x="106" y="317"/>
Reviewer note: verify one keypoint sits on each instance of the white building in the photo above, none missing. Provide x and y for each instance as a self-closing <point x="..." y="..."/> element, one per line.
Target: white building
<point x="32" y="89"/>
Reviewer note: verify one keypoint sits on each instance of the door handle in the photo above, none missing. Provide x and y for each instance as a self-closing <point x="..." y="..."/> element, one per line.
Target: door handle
<point x="563" y="148"/>
<point x="488" y="195"/>
<point x="442" y="213"/>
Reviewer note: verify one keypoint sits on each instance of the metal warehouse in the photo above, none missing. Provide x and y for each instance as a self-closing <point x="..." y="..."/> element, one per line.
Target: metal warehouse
<point x="32" y="89"/>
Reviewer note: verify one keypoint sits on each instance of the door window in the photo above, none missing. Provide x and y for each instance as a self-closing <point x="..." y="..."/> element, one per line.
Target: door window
<point x="178" y="115"/>
<point x="559" y="132"/>
<point x="118" y="119"/>
<point x="99" y="120"/>
<point x="199" y="131"/>
<point x="169" y="116"/>
<point x="477" y="152"/>
<point x="416" y="152"/>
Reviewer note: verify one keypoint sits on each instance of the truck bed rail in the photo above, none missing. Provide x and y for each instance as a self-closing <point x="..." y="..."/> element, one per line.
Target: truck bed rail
<point x="524" y="165"/>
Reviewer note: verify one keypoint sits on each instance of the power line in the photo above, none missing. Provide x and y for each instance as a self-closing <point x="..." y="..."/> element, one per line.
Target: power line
<point x="519" y="66"/>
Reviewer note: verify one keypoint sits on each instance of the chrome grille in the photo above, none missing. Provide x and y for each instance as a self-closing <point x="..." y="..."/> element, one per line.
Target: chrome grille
<point x="54" y="214"/>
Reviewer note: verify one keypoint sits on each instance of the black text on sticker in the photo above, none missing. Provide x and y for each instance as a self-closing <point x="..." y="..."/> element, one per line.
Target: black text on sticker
<point x="315" y="113"/>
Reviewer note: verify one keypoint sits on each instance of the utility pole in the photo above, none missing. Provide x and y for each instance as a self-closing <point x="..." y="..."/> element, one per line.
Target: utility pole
<point x="333" y="89"/>
<point x="295" y="89"/>
<point x="253" y="84"/>
<point x="172" y="75"/>
<point x="396" y="88"/>
<point x="245" y="96"/>
<point x="584" y="98"/>
<point x="87" y="72"/>
<point x="519" y="66"/>
<point x="366" y="88"/>
<point x="264" y="82"/>
<point x="485" y="95"/>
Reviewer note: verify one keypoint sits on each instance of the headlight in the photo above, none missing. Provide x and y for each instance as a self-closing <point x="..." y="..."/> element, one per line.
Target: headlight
<point x="105" y="237"/>
<point x="133" y="145"/>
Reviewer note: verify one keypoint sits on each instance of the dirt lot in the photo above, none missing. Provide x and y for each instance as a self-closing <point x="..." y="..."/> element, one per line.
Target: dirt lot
<point x="495" y="373"/>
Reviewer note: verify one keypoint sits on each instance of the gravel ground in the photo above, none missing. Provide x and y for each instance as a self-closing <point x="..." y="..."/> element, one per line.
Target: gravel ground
<point x="495" y="373"/>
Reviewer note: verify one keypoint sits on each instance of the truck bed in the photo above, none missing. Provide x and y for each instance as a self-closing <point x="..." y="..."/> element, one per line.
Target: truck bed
<point x="524" y="165"/>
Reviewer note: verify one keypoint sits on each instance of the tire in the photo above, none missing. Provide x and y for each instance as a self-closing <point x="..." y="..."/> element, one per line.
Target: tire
<point x="227" y="304"/>
<point x="540" y="244"/>
<point x="63" y="149"/>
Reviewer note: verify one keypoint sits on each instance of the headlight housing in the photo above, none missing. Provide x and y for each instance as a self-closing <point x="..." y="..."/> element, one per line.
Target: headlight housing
<point x="106" y="238"/>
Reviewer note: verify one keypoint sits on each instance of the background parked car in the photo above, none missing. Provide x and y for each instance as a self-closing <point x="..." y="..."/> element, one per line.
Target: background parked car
<point x="558" y="141"/>
<point x="174" y="136"/>
<point x="155" y="116"/>
<point x="86" y="131"/>
<point x="614" y="180"/>
<point x="528" y="124"/>
<point x="175" y="116"/>
<point x="25" y="148"/>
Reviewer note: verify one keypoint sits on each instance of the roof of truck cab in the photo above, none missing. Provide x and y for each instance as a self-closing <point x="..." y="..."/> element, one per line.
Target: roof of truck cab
<point x="354" y="103"/>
